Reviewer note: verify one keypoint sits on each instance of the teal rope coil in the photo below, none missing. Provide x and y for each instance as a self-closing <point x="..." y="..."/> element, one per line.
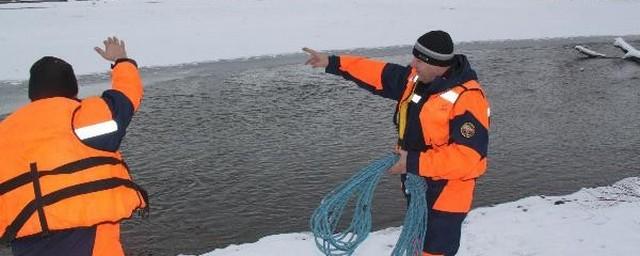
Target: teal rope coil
<point x="411" y="238"/>
<point x="326" y="218"/>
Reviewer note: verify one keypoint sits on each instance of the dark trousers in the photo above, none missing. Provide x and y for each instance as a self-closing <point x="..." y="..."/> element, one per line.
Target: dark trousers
<point x="73" y="242"/>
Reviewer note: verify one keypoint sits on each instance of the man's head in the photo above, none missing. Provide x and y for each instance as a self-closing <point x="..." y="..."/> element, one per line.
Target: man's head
<point x="52" y="77"/>
<point x="433" y="54"/>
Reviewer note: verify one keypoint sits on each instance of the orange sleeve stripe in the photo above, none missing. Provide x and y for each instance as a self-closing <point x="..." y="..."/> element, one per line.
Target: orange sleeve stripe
<point x="452" y="161"/>
<point x="126" y="79"/>
<point x="366" y="70"/>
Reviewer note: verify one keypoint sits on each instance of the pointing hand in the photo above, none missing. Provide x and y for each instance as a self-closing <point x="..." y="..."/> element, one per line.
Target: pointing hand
<point x="316" y="59"/>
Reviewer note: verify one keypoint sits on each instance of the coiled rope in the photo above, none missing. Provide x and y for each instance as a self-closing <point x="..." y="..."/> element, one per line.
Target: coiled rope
<point x="411" y="238"/>
<point x="360" y="188"/>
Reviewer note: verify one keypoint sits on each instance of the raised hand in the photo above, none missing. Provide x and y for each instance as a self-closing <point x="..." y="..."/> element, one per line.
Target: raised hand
<point x="113" y="49"/>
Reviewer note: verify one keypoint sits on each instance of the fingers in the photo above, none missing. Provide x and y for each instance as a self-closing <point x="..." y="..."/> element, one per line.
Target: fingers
<point x="113" y="49"/>
<point x="310" y="61"/>
<point x="401" y="166"/>
<point x="112" y="40"/>
<point x="100" y="51"/>
<point x="398" y="169"/>
<point x="316" y="59"/>
<point x="309" y="51"/>
<point x="313" y="62"/>
<point x="392" y="170"/>
<point x="117" y="41"/>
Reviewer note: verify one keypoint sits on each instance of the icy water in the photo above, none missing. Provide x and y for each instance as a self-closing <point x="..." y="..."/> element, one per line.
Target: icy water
<point x="236" y="150"/>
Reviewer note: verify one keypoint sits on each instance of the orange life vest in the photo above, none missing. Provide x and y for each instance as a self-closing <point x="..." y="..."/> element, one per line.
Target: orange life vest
<point x="50" y="180"/>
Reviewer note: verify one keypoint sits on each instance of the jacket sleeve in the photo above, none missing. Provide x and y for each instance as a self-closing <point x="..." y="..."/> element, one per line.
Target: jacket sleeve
<point x="126" y="80"/>
<point x="101" y="122"/>
<point x="464" y="157"/>
<point x="384" y="79"/>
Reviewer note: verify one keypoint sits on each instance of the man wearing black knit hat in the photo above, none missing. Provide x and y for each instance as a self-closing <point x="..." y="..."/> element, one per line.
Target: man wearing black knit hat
<point x="50" y="77"/>
<point x="442" y="117"/>
<point x="64" y="187"/>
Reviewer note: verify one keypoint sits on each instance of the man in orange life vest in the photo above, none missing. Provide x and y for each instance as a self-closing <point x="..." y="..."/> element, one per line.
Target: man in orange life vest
<point x="442" y="116"/>
<point x="64" y="187"/>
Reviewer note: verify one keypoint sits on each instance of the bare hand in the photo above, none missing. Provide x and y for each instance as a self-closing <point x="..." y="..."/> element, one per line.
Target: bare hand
<point x="316" y="59"/>
<point x="113" y="49"/>
<point x="401" y="166"/>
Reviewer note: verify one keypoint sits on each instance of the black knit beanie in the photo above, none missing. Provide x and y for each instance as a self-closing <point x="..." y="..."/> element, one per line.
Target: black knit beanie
<point x="52" y="77"/>
<point x="435" y="48"/>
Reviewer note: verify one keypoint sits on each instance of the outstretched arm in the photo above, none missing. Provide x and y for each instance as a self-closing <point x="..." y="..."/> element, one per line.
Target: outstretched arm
<point x="384" y="79"/>
<point x="101" y="122"/>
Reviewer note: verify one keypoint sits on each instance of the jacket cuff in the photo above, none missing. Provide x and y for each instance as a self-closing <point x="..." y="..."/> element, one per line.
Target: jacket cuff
<point x="124" y="60"/>
<point x="334" y="65"/>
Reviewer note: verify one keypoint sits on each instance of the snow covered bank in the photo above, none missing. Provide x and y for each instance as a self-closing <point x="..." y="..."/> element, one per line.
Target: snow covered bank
<point x="596" y="221"/>
<point x="162" y="32"/>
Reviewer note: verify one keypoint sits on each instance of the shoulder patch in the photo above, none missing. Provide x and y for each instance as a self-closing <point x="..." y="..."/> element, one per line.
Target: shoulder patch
<point x="468" y="130"/>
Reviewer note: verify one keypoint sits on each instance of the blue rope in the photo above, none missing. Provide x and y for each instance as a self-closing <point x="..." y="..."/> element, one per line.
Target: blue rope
<point x="411" y="238"/>
<point x="326" y="218"/>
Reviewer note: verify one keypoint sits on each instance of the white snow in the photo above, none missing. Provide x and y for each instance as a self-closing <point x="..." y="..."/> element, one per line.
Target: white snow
<point x="631" y="51"/>
<point x="163" y="32"/>
<point x="597" y="221"/>
<point x="601" y="221"/>
<point x="588" y="52"/>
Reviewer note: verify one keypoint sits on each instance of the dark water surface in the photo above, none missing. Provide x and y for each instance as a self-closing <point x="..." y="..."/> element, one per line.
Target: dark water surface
<point x="236" y="150"/>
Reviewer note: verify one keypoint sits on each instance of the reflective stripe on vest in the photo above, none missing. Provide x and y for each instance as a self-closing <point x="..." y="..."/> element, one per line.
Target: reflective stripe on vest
<point x="450" y="96"/>
<point x="97" y="130"/>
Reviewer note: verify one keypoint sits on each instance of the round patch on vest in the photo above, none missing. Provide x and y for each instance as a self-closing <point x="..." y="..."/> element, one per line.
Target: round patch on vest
<point x="468" y="130"/>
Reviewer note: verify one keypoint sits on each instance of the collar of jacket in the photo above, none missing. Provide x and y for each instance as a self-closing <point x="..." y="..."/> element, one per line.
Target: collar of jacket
<point x="459" y="73"/>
